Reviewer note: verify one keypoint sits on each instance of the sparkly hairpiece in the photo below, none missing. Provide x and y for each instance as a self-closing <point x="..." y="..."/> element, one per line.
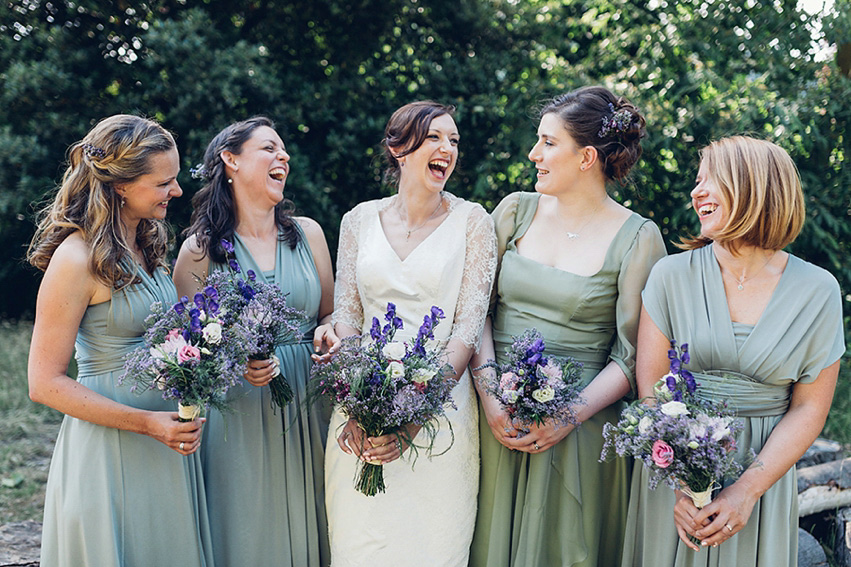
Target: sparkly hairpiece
<point x="93" y="151"/>
<point x="618" y="123"/>
<point x="199" y="172"/>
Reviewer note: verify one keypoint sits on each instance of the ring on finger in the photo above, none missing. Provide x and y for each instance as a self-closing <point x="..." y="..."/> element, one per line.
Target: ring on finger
<point x="398" y="445"/>
<point x="181" y="446"/>
<point x="536" y="446"/>
<point x="729" y="528"/>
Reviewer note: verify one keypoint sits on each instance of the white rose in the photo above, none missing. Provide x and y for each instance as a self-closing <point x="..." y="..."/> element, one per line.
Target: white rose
<point x="674" y="409"/>
<point x="423" y="375"/>
<point x="396" y="369"/>
<point x="213" y="333"/>
<point x="645" y="424"/>
<point x="394" y="350"/>
<point x="510" y="396"/>
<point x="544" y="394"/>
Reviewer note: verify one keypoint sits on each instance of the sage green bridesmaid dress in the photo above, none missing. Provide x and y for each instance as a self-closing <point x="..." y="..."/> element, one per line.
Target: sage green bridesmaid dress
<point x="562" y="506"/>
<point x="754" y="368"/>
<point x="116" y="498"/>
<point x="263" y="465"/>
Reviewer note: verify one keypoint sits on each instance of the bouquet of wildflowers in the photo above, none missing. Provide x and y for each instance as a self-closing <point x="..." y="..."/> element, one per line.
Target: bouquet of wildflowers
<point x="386" y="384"/>
<point x="532" y="387"/>
<point x="260" y="317"/>
<point x="683" y="441"/>
<point x="189" y="354"/>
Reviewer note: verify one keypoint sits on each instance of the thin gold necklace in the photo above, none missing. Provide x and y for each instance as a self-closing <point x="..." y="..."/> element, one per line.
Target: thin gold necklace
<point x="408" y="231"/>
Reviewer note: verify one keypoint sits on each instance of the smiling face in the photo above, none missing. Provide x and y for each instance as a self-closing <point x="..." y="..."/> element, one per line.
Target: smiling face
<point x="710" y="204"/>
<point x="556" y="155"/>
<point x="433" y="162"/>
<point x="262" y="166"/>
<point x="148" y="195"/>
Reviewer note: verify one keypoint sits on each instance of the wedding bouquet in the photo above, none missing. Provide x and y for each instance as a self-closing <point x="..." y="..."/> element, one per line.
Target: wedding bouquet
<point x="687" y="443"/>
<point x="386" y="384"/>
<point x="189" y="354"/>
<point x="260" y="317"/>
<point x="532" y="387"/>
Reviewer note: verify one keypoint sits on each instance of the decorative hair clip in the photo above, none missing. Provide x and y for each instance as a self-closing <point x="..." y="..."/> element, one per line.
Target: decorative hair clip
<point x="618" y="123"/>
<point x="93" y="151"/>
<point x="199" y="172"/>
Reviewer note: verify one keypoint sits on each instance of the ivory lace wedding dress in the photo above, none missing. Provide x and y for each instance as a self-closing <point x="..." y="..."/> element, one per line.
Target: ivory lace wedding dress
<point x="427" y="514"/>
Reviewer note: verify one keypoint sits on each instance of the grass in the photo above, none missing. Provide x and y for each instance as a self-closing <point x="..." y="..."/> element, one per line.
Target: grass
<point x="28" y="430"/>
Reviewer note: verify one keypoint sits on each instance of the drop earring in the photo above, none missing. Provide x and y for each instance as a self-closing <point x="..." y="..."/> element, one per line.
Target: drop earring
<point x="123" y="200"/>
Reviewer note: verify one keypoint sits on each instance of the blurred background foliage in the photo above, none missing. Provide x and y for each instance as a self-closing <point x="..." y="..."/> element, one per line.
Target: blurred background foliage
<point x="330" y="73"/>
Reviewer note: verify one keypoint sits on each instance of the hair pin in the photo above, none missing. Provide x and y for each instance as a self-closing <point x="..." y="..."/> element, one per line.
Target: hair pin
<point x="93" y="151"/>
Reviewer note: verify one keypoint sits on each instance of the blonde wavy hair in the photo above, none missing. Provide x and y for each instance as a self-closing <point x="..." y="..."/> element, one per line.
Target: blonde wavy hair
<point x="117" y="151"/>
<point x="761" y="189"/>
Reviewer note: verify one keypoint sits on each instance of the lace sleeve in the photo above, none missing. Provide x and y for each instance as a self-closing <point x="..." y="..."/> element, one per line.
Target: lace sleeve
<point x="646" y="250"/>
<point x="479" y="270"/>
<point x="348" y="308"/>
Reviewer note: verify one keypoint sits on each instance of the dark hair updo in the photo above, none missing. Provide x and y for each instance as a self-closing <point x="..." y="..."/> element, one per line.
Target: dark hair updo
<point x="405" y="132"/>
<point x="593" y="116"/>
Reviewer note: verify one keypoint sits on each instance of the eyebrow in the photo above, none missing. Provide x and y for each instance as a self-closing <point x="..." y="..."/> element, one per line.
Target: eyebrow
<point x="439" y="131"/>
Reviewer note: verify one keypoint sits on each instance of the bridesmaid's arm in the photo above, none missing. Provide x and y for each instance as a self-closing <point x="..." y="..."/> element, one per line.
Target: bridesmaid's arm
<point x="324" y="335"/>
<point x="59" y="310"/>
<point x="790" y="438"/>
<point x="498" y="420"/>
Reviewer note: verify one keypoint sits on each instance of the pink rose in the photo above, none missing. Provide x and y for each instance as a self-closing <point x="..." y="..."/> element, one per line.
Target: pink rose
<point x="663" y="455"/>
<point x="507" y="381"/>
<point x="188" y="353"/>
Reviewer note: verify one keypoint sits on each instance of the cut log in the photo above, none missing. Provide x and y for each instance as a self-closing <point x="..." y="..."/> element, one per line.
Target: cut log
<point x="20" y="544"/>
<point x="842" y="552"/>
<point x="824" y="487"/>
<point x="821" y="451"/>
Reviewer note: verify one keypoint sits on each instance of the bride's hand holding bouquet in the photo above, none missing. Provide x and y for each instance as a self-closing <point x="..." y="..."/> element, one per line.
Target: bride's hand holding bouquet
<point x="389" y="390"/>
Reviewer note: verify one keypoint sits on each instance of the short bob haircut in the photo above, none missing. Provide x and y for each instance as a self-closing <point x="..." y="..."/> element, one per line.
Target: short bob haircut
<point x="759" y="185"/>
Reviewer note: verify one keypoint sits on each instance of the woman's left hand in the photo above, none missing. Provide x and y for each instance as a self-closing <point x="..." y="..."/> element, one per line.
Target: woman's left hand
<point x="540" y="437"/>
<point x="388" y="448"/>
<point x="325" y="343"/>
<point x="719" y="520"/>
<point x="260" y="372"/>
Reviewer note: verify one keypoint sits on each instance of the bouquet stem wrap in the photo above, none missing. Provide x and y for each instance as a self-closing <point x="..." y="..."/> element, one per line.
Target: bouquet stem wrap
<point x="187" y="412"/>
<point x="701" y="498"/>
<point x="370" y="473"/>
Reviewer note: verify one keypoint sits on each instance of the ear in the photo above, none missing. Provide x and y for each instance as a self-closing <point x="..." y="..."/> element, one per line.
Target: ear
<point x="589" y="157"/>
<point x="229" y="159"/>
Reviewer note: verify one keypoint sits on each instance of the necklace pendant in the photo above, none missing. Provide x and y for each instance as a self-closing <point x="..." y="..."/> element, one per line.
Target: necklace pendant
<point x="408" y="235"/>
<point x="740" y="287"/>
<point x="572" y="235"/>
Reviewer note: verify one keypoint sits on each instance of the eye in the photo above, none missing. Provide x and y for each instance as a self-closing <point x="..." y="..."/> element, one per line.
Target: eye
<point x="454" y="141"/>
<point x="433" y="137"/>
<point x="548" y="143"/>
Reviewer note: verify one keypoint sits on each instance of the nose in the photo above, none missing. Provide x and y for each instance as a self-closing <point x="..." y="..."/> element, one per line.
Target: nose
<point x="176" y="191"/>
<point x="283" y="155"/>
<point x="698" y="191"/>
<point x="534" y="154"/>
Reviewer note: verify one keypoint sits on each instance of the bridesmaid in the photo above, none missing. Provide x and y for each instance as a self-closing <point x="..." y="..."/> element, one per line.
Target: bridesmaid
<point x="263" y="464"/>
<point x="419" y="248"/>
<point x="125" y="484"/>
<point x="764" y="330"/>
<point x="573" y="263"/>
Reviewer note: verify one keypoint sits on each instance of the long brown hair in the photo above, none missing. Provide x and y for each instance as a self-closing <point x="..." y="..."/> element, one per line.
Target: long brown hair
<point x="118" y="150"/>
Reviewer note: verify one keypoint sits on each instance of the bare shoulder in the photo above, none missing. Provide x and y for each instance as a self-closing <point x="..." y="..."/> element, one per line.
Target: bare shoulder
<point x="192" y="247"/>
<point x="70" y="263"/>
<point x="311" y="228"/>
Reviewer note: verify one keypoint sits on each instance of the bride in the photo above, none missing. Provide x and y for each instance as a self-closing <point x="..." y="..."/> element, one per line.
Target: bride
<point x="418" y="248"/>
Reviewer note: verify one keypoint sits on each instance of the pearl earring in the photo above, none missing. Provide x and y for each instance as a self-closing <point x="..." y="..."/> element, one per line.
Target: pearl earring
<point x="230" y="181"/>
<point x="123" y="200"/>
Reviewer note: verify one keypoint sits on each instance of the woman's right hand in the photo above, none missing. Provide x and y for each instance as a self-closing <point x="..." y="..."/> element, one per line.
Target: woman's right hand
<point x="352" y="439"/>
<point x="499" y="421"/>
<point x="260" y="372"/>
<point x="181" y="436"/>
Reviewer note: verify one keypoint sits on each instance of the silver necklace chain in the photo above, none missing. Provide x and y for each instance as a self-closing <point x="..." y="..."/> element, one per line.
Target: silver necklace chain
<point x="408" y="231"/>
